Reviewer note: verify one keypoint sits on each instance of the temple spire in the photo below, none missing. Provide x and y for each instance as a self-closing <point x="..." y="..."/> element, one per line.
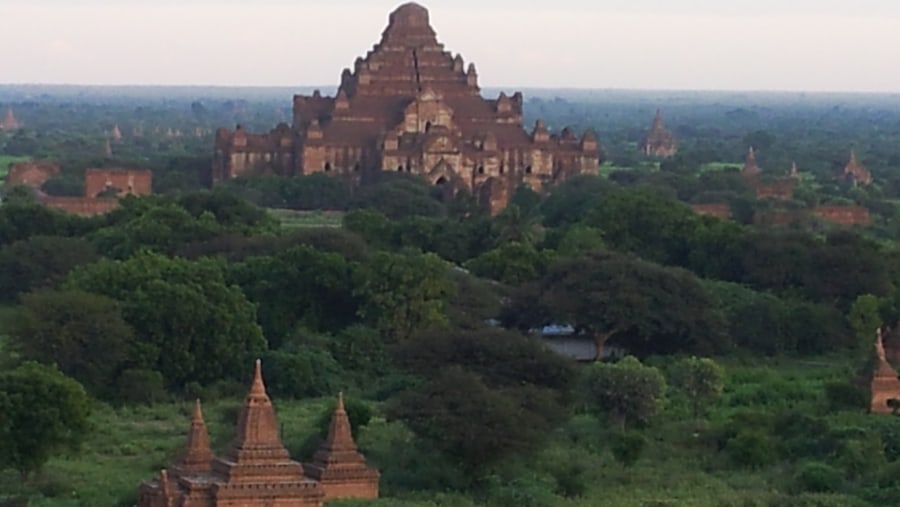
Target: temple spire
<point x="340" y="435"/>
<point x="199" y="456"/>
<point x="257" y="439"/>
<point x="751" y="168"/>
<point x="258" y="388"/>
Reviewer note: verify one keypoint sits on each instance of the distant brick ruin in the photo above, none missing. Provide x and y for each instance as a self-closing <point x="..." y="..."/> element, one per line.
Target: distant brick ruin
<point x="9" y="122"/>
<point x="257" y="470"/>
<point x="121" y="182"/>
<point x="31" y="174"/>
<point x="855" y="173"/>
<point x="782" y="189"/>
<point x="659" y="143"/>
<point x="412" y="107"/>
<point x="102" y="187"/>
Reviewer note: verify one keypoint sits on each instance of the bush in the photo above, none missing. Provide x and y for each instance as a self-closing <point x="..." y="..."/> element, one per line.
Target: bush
<point x="307" y="372"/>
<point x="140" y="386"/>
<point x="846" y="396"/>
<point x="627" y="447"/>
<point x="750" y="449"/>
<point x="818" y="478"/>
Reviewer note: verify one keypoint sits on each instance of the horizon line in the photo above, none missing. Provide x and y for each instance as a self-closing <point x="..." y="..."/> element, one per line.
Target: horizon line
<point x="492" y="87"/>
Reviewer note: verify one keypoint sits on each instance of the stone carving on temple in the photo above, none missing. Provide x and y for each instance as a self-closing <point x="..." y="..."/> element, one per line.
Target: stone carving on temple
<point x="413" y="107"/>
<point x="257" y="470"/>
<point x="659" y="143"/>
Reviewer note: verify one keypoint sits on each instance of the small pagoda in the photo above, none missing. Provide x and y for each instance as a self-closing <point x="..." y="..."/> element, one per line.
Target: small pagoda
<point x="339" y="466"/>
<point x="884" y="384"/>
<point x="659" y="142"/>
<point x="257" y="470"/>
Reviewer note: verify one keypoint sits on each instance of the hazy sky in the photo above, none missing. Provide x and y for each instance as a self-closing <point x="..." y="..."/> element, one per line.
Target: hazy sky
<point x="814" y="45"/>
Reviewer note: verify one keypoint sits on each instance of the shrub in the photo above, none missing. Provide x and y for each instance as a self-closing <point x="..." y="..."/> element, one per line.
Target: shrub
<point x="627" y="447"/>
<point x="750" y="449"/>
<point x="846" y="396"/>
<point x="818" y="478"/>
<point x="140" y="386"/>
<point x="306" y="372"/>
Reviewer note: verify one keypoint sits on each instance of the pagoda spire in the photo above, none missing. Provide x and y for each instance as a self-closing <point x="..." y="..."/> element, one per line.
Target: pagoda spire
<point x="198" y="457"/>
<point x="340" y="435"/>
<point x="751" y="168"/>
<point x="339" y="465"/>
<point x="658" y="120"/>
<point x="257" y="439"/>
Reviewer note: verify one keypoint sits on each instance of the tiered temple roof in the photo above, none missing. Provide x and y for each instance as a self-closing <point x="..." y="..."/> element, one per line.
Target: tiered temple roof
<point x="411" y="106"/>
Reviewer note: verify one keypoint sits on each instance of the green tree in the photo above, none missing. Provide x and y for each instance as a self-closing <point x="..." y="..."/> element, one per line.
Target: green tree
<point x="189" y="324"/>
<point x="701" y="380"/>
<point x="43" y="413"/>
<point x="40" y="262"/>
<point x="650" y="308"/>
<point x="472" y="424"/>
<point x="628" y="392"/>
<point x="403" y="293"/>
<point x="511" y="263"/>
<point x="83" y="334"/>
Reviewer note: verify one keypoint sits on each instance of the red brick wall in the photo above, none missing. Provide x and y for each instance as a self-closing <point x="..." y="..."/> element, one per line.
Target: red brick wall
<point x="846" y="215"/>
<point x="32" y="174"/>
<point x="136" y="182"/>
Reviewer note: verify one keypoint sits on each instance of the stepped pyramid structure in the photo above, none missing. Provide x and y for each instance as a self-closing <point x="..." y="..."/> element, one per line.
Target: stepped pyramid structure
<point x="782" y="189"/>
<point x="410" y="106"/>
<point x="660" y="142"/>
<point x="339" y="466"/>
<point x="257" y="470"/>
<point x="751" y="168"/>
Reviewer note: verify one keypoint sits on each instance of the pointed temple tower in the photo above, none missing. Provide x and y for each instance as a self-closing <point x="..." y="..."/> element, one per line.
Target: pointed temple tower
<point x="256" y="470"/>
<point x="751" y="168"/>
<point x="660" y="142"/>
<point x="855" y="173"/>
<point x="883" y="382"/>
<point x="339" y="466"/>
<point x="411" y="106"/>
<point x="9" y="122"/>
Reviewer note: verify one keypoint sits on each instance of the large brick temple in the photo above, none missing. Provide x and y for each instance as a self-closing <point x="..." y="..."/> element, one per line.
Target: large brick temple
<point x="411" y="106"/>
<point x="256" y="470"/>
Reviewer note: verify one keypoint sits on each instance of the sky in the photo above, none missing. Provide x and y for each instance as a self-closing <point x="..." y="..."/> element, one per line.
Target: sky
<point x="790" y="45"/>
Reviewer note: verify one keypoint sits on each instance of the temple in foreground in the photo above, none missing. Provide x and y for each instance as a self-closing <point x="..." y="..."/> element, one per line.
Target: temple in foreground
<point x="256" y="470"/>
<point x="412" y="107"/>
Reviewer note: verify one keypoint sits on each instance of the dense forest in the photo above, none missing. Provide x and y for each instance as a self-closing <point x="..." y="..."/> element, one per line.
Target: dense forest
<point x="729" y="354"/>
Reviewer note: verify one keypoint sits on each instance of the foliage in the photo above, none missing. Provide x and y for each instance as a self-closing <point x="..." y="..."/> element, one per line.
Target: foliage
<point x="44" y="413"/>
<point x="628" y="392"/>
<point x="403" y="293"/>
<point x="457" y="414"/>
<point x="701" y="380"/>
<point x="359" y="415"/>
<point x="648" y="308"/>
<point x="83" y="334"/>
<point x="189" y="324"/>
<point x="627" y="447"/>
<point x="40" y="262"/>
<point x="306" y="372"/>
<point x="865" y="318"/>
<point x="510" y="263"/>
<point x="750" y="449"/>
